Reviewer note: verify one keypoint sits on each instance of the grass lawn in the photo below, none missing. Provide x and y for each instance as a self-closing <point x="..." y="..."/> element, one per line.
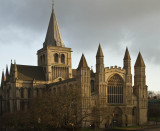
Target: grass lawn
<point x="154" y="119"/>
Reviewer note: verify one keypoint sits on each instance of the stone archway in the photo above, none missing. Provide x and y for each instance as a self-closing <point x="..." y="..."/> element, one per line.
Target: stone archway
<point x="117" y="117"/>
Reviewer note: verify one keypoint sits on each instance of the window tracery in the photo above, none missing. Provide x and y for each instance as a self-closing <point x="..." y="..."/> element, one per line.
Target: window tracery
<point x="115" y="90"/>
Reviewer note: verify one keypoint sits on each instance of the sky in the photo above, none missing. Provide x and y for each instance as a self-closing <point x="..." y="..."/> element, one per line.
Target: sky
<point x="116" y="24"/>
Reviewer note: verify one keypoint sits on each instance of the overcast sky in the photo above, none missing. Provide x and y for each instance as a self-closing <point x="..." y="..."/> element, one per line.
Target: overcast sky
<point x="83" y="25"/>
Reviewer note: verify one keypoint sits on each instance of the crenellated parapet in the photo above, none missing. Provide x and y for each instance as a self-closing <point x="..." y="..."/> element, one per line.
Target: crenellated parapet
<point x="110" y="71"/>
<point x="115" y="69"/>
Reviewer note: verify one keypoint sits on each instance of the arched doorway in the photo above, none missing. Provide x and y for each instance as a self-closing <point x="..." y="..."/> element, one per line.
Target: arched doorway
<point x="117" y="117"/>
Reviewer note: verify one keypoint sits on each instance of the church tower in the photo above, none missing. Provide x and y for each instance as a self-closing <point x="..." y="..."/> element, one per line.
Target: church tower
<point x="84" y="76"/>
<point x="54" y="56"/>
<point x="128" y="75"/>
<point x="140" y="89"/>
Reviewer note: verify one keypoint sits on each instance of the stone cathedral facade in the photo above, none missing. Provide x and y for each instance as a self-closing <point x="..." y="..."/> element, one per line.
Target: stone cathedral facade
<point x="109" y="88"/>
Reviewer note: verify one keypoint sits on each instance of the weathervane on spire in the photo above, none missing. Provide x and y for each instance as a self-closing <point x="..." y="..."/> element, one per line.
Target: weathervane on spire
<point x="52" y="2"/>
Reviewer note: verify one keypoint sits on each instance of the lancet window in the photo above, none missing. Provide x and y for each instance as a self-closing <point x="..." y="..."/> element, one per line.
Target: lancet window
<point x="62" y="58"/>
<point x="56" y="57"/>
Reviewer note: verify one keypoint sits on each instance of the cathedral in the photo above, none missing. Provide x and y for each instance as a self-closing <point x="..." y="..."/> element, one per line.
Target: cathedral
<point x="109" y="88"/>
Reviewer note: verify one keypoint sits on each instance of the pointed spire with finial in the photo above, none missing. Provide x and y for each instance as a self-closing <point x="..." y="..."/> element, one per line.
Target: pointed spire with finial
<point x="99" y="52"/>
<point x="11" y="68"/>
<point x="83" y="62"/>
<point x="7" y="73"/>
<point x="15" y="69"/>
<point x="139" y="61"/>
<point x="127" y="55"/>
<point x="53" y="36"/>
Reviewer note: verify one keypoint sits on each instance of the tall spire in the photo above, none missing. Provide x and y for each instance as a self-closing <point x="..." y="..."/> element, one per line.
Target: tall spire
<point x="53" y="36"/>
<point x="139" y="61"/>
<point x="127" y="55"/>
<point x="99" y="52"/>
<point x="83" y="62"/>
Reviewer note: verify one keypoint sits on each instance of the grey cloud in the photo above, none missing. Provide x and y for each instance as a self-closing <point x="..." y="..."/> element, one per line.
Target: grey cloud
<point x="85" y="23"/>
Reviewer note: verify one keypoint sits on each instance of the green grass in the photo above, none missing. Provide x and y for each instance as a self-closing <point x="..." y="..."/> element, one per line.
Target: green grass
<point x="121" y="128"/>
<point x="154" y="119"/>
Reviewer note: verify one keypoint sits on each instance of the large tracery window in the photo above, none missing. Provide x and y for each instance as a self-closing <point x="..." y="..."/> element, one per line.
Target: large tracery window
<point x="115" y="89"/>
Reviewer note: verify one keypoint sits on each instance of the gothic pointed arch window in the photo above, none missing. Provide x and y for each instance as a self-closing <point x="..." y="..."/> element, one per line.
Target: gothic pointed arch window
<point x="115" y="89"/>
<point x="56" y="57"/>
<point x="62" y="58"/>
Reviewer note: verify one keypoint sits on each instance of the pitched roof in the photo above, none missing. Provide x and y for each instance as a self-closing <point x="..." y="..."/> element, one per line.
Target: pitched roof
<point x="30" y="72"/>
<point x="61" y="82"/>
<point x="127" y="55"/>
<point x="139" y="61"/>
<point x="83" y="62"/>
<point x="99" y="52"/>
<point x="53" y="36"/>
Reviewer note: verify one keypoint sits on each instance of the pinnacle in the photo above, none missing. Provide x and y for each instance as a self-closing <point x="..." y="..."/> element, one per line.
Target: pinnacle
<point x="53" y="36"/>
<point x="127" y="55"/>
<point x="139" y="61"/>
<point x="83" y="62"/>
<point x="3" y="77"/>
<point x="7" y="74"/>
<point x="99" y="52"/>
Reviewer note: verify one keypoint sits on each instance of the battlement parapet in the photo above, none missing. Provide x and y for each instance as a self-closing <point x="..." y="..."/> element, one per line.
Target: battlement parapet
<point x="115" y="69"/>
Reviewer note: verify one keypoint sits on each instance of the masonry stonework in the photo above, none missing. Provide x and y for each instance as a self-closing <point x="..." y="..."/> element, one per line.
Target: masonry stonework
<point x="109" y="88"/>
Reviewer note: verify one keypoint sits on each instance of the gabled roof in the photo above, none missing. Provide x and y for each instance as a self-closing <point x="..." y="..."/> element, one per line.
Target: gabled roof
<point x="83" y="62"/>
<point x="139" y="61"/>
<point x="30" y="73"/>
<point x="127" y="55"/>
<point x="99" y="52"/>
<point x="53" y="36"/>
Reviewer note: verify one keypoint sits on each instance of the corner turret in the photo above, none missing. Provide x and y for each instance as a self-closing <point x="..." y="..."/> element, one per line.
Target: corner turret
<point x="140" y="89"/>
<point x="128" y="76"/>
<point x="100" y="64"/>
